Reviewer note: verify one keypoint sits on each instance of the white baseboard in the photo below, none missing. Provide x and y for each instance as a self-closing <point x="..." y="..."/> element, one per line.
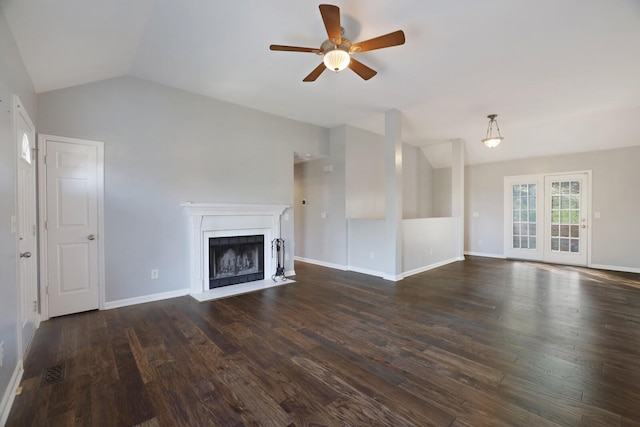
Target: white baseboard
<point x="146" y="298"/>
<point x="385" y="276"/>
<point x="321" y="263"/>
<point x="486" y="255"/>
<point x="392" y="278"/>
<point x="616" y="268"/>
<point x="10" y="393"/>
<point x="431" y="266"/>
<point x="367" y="272"/>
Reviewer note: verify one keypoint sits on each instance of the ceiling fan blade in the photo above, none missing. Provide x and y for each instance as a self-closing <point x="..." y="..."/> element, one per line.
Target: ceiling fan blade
<point x="294" y="48"/>
<point x="392" y="39"/>
<point x="331" y="18"/>
<point x="362" y="70"/>
<point x="315" y="73"/>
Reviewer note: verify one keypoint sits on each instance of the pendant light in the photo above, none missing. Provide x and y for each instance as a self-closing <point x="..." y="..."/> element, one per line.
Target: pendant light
<point x="492" y="141"/>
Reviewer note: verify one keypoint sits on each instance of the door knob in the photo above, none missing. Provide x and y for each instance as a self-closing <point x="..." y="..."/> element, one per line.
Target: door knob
<point x="25" y="255"/>
<point x="91" y="237"/>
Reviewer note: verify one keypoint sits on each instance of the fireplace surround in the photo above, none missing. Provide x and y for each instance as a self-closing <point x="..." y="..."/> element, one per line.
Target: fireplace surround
<point x="212" y="220"/>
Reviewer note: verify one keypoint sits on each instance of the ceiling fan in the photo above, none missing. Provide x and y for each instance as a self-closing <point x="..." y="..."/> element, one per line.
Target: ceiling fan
<point x="337" y="50"/>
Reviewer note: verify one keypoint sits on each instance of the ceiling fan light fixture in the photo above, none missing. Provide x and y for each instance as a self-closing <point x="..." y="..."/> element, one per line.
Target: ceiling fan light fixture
<point x="492" y="141"/>
<point x="336" y="59"/>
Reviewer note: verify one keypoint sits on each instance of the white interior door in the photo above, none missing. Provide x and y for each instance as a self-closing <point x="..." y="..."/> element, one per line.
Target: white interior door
<point x="73" y="193"/>
<point x="566" y="226"/>
<point x="26" y="222"/>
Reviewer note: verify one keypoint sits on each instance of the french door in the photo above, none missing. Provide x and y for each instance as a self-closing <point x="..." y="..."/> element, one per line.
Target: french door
<point x="565" y="234"/>
<point x="524" y="216"/>
<point x="547" y="218"/>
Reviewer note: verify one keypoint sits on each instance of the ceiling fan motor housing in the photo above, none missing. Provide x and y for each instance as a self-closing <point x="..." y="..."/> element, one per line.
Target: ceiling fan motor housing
<point x="327" y="45"/>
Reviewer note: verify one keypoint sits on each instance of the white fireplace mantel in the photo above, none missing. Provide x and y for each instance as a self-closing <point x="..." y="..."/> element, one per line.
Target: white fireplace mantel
<point x="219" y="209"/>
<point x="215" y="219"/>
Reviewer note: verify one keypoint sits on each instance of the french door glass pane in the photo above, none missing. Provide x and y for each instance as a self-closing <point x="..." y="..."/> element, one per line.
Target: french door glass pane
<point x="26" y="148"/>
<point x="524" y="203"/>
<point x="565" y="216"/>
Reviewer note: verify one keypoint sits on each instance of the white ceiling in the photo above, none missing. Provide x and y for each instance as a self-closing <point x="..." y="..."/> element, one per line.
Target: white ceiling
<point x="562" y="75"/>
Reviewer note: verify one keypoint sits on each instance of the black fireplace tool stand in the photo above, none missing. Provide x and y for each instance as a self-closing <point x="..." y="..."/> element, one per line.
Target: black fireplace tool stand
<point x="277" y="246"/>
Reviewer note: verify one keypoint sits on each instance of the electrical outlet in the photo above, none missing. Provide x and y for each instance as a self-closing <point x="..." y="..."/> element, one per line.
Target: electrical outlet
<point x="286" y="257"/>
<point x="372" y="255"/>
<point x="1" y="352"/>
<point x="154" y="273"/>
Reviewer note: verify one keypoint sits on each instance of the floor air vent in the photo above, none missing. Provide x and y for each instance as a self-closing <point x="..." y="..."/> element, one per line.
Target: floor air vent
<point x="54" y="374"/>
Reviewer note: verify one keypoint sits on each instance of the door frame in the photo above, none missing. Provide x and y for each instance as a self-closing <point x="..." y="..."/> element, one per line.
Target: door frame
<point x="42" y="200"/>
<point x="541" y="227"/>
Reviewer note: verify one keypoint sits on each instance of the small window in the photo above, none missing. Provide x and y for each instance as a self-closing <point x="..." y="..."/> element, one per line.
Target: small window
<point x="26" y="148"/>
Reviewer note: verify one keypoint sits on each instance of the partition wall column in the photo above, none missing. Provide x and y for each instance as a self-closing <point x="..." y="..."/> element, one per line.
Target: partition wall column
<point x="457" y="190"/>
<point x="393" y="191"/>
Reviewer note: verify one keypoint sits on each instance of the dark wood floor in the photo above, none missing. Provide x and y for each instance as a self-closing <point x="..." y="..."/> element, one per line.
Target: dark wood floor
<point x="475" y="343"/>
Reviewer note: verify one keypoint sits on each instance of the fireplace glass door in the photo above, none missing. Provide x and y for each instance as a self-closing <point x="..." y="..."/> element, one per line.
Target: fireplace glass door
<point x="234" y="260"/>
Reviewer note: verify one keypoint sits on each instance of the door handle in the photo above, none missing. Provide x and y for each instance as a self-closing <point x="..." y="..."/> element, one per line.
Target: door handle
<point x="91" y="237"/>
<point x="25" y="255"/>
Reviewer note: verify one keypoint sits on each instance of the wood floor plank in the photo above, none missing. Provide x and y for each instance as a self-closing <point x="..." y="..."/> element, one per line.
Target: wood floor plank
<point x="351" y="407"/>
<point x="412" y="406"/>
<point x="473" y="343"/>
<point x="138" y="402"/>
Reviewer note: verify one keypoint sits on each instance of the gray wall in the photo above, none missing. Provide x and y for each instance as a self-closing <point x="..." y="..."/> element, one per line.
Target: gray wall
<point x="614" y="194"/>
<point x="442" y="192"/>
<point x="164" y="147"/>
<point x="321" y="239"/>
<point x="13" y="80"/>
<point x="368" y="247"/>
<point x="417" y="182"/>
<point x="364" y="174"/>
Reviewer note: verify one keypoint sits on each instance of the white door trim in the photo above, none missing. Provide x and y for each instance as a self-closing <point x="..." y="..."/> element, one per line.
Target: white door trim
<point x="42" y="198"/>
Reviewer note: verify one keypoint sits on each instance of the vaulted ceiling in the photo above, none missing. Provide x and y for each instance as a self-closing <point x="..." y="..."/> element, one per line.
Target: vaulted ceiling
<point x="562" y="75"/>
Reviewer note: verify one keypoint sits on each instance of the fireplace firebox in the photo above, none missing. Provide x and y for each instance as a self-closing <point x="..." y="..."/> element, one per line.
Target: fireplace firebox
<point x="237" y="259"/>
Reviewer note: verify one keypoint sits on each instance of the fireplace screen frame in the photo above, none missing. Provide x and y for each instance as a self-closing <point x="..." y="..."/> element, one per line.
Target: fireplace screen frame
<point x="225" y="244"/>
